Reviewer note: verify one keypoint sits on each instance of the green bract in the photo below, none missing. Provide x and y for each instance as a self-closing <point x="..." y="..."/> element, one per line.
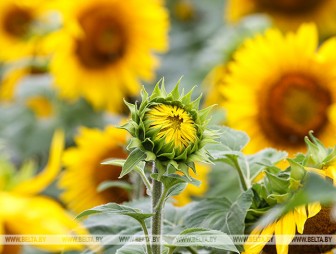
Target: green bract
<point x="168" y="128"/>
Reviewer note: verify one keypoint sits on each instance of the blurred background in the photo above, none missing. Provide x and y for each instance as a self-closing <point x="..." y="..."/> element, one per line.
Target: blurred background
<point x="67" y="66"/>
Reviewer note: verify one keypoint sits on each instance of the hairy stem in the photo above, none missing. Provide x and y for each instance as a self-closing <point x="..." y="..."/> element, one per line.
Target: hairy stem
<point x="157" y="217"/>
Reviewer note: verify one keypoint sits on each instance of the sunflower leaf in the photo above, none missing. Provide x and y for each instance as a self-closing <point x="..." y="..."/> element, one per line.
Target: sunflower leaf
<point x="202" y="237"/>
<point x="113" y="208"/>
<point x="132" y="160"/>
<point x="110" y="184"/>
<point x="132" y="249"/>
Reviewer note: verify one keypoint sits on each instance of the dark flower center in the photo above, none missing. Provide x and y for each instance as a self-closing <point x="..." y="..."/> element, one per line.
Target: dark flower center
<point x="289" y="6"/>
<point x="16" y="21"/>
<point x="293" y="106"/>
<point x="104" y="40"/>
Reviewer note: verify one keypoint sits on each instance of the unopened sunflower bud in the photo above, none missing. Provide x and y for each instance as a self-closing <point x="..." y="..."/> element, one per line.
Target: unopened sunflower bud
<point x="168" y="128"/>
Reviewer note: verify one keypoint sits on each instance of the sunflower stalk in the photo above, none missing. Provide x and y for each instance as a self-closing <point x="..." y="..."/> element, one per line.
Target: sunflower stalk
<point x="157" y="210"/>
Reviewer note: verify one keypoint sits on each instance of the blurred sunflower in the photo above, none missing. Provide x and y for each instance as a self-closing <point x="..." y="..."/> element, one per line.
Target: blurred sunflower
<point x="39" y="103"/>
<point x="84" y="172"/>
<point x="23" y="211"/>
<point x="107" y="47"/>
<point x="212" y="84"/>
<point x="310" y="219"/>
<point x="281" y="87"/>
<point x="190" y="191"/>
<point x="288" y="14"/>
<point x="18" y="22"/>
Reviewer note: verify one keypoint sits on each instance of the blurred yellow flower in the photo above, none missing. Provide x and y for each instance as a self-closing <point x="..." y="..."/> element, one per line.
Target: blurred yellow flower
<point x="18" y="38"/>
<point x="297" y="220"/>
<point x="39" y="104"/>
<point x="284" y="230"/>
<point x="106" y="47"/>
<point x="213" y="84"/>
<point x="190" y="191"/>
<point x="25" y="212"/>
<point x="280" y="87"/>
<point x="288" y="15"/>
<point x="84" y="172"/>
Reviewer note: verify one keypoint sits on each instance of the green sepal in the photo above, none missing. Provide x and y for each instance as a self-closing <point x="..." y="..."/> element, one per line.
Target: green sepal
<point x="277" y="184"/>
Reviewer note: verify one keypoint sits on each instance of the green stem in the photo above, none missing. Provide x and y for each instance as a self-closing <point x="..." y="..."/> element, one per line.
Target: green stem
<point x="148" y="245"/>
<point x="138" y="191"/>
<point x="243" y="181"/>
<point x="161" y="201"/>
<point x="171" y="250"/>
<point x="145" y="180"/>
<point x="192" y="250"/>
<point x="157" y="217"/>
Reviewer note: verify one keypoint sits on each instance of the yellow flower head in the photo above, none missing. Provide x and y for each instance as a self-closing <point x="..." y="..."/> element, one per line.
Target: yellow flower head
<point x="279" y="186"/>
<point x="18" y="26"/>
<point x="108" y="46"/>
<point x="84" y="172"/>
<point x="174" y="124"/>
<point x="280" y="87"/>
<point x="23" y="211"/>
<point x="288" y="15"/>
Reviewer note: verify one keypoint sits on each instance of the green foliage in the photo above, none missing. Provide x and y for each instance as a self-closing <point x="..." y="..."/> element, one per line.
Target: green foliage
<point x="113" y="208"/>
<point x="211" y="235"/>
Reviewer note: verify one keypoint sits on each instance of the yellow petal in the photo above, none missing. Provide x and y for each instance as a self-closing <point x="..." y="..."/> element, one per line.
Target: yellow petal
<point x="284" y="232"/>
<point x="300" y="216"/>
<point x="331" y="172"/>
<point x="320" y="172"/>
<point x="39" y="216"/>
<point x="252" y="246"/>
<point x="49" y="173"/>
<point x="313" y="209"/>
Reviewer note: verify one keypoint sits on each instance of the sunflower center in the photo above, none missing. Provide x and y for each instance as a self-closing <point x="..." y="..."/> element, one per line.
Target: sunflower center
<point x="289" y="6"/>
<point x="175" y="121"/>
<point x="174" y="124"/>
<point x="293" y="106"/>
<point x="111" y="173"/>
<point x="104" y="41"/>
<point x="16" y="21"/>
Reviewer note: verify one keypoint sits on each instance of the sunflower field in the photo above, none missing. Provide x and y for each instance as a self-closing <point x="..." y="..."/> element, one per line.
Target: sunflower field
<point x="167" y="126"/>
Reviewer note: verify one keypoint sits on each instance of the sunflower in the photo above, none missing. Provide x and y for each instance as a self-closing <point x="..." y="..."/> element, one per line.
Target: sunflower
<point x="212" y="84"/>
<point x="19" y="37"/>
<point x="107" y="47"/>
<point x="84" y="172"/>
<point x="25" y="211"/>
<point x="284" y="230"/>
<point x="288" y="15"/>
<point x="191" y="191"/>
<point x="310" y="219"/>
<point x="280" y="87"/>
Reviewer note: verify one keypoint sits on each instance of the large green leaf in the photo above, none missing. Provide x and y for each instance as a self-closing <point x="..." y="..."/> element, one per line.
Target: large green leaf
<point x="132" y="249"/>
<point x="229" y="140"/>
<point x="201" y="237"/>
<point x="113" y="208"/>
